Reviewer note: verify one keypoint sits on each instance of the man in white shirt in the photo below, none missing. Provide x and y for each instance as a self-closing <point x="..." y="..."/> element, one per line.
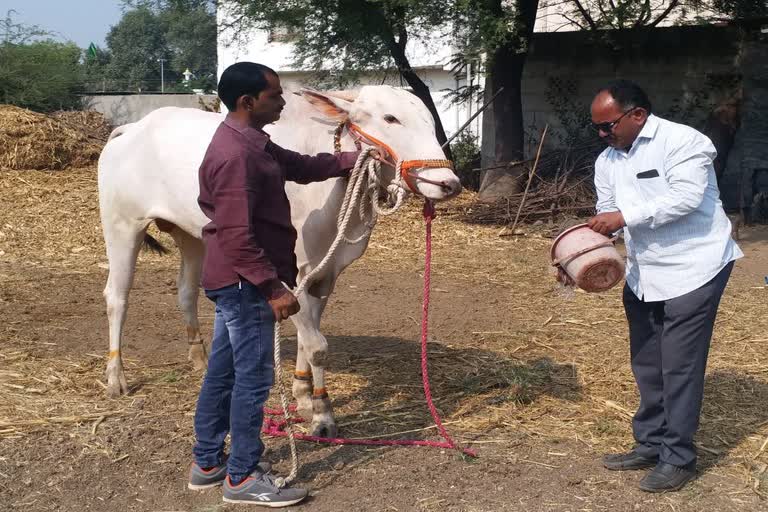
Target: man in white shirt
<point x="657" y="182"/>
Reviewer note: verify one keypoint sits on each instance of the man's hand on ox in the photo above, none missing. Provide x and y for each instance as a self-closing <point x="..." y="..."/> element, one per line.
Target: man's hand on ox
<point x="284" y="306"/>
<point x="376" y="155"/>
<point x="607" y="223"/>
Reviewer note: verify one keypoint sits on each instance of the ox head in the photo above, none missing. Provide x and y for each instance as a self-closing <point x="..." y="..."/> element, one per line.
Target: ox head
<point x="398" y="123"/>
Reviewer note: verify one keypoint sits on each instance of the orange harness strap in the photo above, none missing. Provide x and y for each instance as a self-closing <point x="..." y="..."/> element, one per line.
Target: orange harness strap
<point x="404" y="166"/>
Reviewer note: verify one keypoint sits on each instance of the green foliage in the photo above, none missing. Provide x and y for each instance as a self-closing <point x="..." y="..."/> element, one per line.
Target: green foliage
<point x="36" y="72"/>
<point x="343" y="37"/>
<point x="484" y="26"/>
<point x="630" y="14"/>
<point x="135" y="44"/>
<point x="42" y="76"/>
<point x="19" y="33"/>
<point x="94" y="69"/>
<point x="181" y="32"/>
<point x="170" y="377"/>
<point x="743" y="9"/>
<point x="191" y="40"/>
<point x="466" y="157"/>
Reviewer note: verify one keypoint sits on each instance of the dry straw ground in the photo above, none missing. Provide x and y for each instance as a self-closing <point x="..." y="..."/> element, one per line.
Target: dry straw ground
<point x="545" y="366"/>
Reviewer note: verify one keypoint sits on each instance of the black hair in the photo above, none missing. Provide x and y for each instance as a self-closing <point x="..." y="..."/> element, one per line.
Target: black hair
<point x="240" y="79"/>
<point x="628" y="95"/>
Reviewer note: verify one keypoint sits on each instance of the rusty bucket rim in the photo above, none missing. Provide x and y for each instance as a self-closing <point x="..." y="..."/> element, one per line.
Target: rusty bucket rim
<point x="561" y="235"/>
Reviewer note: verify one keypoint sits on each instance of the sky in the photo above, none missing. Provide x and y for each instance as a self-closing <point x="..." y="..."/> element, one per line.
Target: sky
<point x="81" y="21"/>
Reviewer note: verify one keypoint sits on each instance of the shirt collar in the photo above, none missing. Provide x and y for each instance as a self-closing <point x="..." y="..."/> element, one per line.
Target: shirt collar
<point x="648" y="131"/>
<point x="254" y="136"/>
<point x="650" y="128"/>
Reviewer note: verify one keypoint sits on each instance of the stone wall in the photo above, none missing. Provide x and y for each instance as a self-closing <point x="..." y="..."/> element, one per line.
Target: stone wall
<point x="123" y="109"/>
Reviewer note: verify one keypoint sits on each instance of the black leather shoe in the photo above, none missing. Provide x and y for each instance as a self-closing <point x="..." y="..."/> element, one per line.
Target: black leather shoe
<point x="668" y="477"/>
<point x="628" y="461"/>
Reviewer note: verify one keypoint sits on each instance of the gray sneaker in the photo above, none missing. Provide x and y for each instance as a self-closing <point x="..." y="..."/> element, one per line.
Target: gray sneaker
<point x="200" y="480"/>
<point x="260" y="489"/>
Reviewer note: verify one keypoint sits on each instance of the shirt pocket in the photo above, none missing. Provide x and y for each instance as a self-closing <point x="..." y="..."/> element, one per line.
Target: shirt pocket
<point x="650" y="188"/>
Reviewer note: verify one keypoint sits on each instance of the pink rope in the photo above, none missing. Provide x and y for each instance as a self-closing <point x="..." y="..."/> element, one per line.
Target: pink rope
<point x="429" y="214"/>
<point x="274" y="427"/>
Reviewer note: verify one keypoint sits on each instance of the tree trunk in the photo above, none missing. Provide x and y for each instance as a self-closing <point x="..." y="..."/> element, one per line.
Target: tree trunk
<point x="506" y="70"/>
<point x="396" y="48"/>
<point x="503" y="180"/>
<point x="421" y="90"/>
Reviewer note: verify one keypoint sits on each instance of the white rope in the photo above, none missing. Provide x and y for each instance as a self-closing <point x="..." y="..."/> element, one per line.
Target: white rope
<point x="367" y="171"/>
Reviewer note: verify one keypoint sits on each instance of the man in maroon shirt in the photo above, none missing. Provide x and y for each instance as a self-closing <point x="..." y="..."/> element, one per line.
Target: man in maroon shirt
<point x="249" y="254"/>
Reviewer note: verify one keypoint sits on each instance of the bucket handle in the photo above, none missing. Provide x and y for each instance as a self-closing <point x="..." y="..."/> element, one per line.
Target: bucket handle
<point x="608" y="242"/>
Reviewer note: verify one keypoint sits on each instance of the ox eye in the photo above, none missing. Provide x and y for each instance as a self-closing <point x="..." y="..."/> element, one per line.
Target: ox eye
<point x="391" y="119"/>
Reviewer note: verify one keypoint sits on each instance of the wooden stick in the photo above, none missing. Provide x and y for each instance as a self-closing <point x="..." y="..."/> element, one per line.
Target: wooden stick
<point x="530" y="178"/>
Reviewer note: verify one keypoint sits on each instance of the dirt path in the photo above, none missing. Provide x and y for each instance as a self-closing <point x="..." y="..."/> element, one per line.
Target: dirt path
<point x="536" y="379"/>
<point x="137" y="461"/>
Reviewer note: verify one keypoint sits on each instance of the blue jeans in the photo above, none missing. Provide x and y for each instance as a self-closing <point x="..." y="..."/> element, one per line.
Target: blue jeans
<point x="237" y="383"/>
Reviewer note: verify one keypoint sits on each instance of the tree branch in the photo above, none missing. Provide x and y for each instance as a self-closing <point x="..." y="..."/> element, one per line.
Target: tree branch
<point x="420" y="89"/>
<point x="572" y="21"/>
<point x="585" y="14"/>
<point x="663" y="15"/>
<point x="645" y="14"/>
<point x="605" y="14"/>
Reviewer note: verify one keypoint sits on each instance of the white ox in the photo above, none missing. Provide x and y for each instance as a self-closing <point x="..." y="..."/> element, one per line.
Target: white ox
<point x="148" y="172"/>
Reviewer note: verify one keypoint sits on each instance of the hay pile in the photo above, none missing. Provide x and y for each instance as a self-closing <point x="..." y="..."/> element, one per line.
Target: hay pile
<point x="30" y="140"/>
<point x="91" y="123"/>
<point x="56" y="220"/>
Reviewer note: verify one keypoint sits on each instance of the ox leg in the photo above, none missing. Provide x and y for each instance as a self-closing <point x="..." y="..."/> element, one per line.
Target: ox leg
<point x="302" y="384"/>
<point x="313" y="349"/>
<point x="123" y="242"/>
<point x="192" y="251"/>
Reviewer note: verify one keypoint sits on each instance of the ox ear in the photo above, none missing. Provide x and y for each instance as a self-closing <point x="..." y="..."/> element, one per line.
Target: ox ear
<point x="334" y="108"/>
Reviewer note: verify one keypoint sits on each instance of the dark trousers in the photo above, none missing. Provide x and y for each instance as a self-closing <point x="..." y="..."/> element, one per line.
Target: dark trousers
<point x="237" y="383"/>
<point x="669" y="343"/>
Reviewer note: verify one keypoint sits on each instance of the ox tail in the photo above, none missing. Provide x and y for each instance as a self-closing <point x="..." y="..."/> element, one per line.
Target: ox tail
<point x="151" y="244"/>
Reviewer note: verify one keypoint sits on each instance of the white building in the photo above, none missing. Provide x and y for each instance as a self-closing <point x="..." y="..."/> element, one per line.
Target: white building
<point x="430" y="60"/>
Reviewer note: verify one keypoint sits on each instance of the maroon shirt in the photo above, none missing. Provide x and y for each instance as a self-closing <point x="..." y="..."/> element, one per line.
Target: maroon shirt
<point x="242" y="191"/>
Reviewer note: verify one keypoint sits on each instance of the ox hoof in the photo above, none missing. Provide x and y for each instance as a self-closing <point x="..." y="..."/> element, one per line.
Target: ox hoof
<point x="322" y="429"/>
<point x="198" y="357"/>
<point x="117" y="387"/>
<point x="304" y="407"/>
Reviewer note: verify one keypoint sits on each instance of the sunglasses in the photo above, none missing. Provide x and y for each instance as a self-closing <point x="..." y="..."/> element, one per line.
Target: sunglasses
<point x="607" y="127"/>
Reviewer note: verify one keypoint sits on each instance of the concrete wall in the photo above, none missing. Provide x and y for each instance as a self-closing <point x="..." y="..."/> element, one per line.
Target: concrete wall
<point x="124" y="109"/>
<point x="746" y="176"/>
<point x="683" y="69"/>
<point x="674" y="65"/>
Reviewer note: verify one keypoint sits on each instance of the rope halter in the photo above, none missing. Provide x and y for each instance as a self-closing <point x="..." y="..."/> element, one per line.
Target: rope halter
<point x="403" y="168"/>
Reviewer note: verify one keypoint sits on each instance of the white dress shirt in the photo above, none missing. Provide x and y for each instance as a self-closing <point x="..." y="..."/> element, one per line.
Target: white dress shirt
<point x="677" y="234"/>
